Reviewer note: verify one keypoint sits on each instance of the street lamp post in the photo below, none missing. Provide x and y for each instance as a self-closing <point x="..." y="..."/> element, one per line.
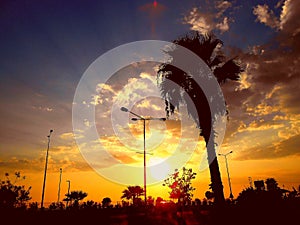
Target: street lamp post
<point x="144" y="131"/>
<point x="225" y="156"/>
<point x="58" y="193"/>
<point x="68" y="192"/>
<point x="45" y="172"/>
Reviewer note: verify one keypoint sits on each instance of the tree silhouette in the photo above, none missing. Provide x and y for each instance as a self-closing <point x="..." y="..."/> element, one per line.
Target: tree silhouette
<point x="181" y="185"/>
<point x="133" y="193"/>
<point x="184" y="87"/>
<point x="150" y="200"/>
<point x="13" y="195"/>
<point x="271" y="184"/>
<point x="74" y="197"/>
<point x="158" y="201"/>
<point x="57" y="205"/>
<point x="106" y="202"/>
<point x="259" y="185"/>
<point x="272" y="196"/>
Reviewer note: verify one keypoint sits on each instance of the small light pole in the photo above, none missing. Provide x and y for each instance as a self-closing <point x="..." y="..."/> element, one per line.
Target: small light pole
<point x="225" y="156"/>
<point x="59" y="183"/>
<point x="45" y="172"/>
<point x="69" y="184"/>
<point x="144" y="123"/>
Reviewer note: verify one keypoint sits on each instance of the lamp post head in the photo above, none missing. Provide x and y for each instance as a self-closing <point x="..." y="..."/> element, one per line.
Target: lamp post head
<point x="50" y="133"/>
<point x="124" y="109"/>
<point x="134" y="119"/>
<point x="230" y="151"/>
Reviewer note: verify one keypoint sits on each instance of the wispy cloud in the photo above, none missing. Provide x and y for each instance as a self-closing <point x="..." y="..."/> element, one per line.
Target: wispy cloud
<point x="266" y="15"/>
<point x="210" y="18"/>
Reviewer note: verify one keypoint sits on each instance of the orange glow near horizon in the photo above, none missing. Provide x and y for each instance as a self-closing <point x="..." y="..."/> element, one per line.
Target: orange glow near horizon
<point x="285" y="171"/>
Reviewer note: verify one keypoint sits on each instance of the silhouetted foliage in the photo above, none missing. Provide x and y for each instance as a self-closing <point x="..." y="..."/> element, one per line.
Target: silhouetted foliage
<point x="133" y="193"/>
<point x="271" y="184"/>
<point x="106" y="202"/>
<point x="158" y="200"/>
<point x="57" y="205"/>
<point x="90" y="204"/>
<point x="74" y="197"/>
<point x="150" y="200"/>
<point x="13" y="195"/>
<point x="197" y="202"/>
<point x="209" y="195"/>
<point x="259" y="185"/>
<point x="273" y="195"/>
<point x="184" y="87"/>
<point x="33" y="206"/>
<point x="181" y="185"/>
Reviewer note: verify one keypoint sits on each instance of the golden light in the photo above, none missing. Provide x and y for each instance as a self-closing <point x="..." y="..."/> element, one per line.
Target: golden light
<point x="159" y="168"/>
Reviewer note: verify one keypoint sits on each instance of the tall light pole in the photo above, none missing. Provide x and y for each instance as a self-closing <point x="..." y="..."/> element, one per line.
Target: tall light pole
<point x="225" y="156"/>
<point x="69" y="184"/>
<point x="144" y="123"/>
<point x="45" y="172"/>
<point x="58" y="193"/>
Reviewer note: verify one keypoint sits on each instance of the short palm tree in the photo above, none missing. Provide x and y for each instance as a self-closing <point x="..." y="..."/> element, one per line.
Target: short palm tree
<point x="133" y="193"/>
<point x="75" y="196"/>
<point x="184" y="87"/>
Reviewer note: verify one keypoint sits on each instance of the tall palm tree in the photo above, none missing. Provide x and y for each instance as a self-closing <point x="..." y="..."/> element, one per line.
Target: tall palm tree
<point x="184" y="87"/>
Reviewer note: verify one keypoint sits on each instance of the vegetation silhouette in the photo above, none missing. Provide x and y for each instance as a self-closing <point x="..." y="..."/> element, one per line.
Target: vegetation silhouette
<point x="265" y="203"/>
<point x="106" y="202"/>
<point x="184" y="87"/>
<point x="13" y="195"/>
<point x="133" y="193"/>
<point x="74" y="197"/>
<point x="180" y="183"/>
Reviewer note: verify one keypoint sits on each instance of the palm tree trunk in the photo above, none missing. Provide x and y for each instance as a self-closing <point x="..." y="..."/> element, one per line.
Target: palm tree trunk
<point x="215" y="176"/>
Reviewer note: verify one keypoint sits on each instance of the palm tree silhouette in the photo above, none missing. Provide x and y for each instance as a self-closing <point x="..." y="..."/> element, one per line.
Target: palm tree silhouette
<point x="75" y="196"/>
<point x="207" y="48"/>
<point x="133" y="193"/>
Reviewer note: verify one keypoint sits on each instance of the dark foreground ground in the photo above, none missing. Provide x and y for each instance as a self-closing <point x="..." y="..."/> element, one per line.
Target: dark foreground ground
<point x="157" y="216"/>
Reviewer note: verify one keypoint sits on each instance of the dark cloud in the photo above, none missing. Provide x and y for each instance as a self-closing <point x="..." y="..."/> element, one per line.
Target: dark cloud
<point x="283" y="148"/>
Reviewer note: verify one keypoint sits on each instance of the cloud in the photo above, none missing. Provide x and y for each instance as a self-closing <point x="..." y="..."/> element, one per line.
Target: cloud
<point x="210" y="18"/>
<point x="67" y="136"/>
<point x="37" y="164"/>
<point x="43" y="108"/>
<point x="276" y="150"/>
<point x="199" y="21"/>
<point x="223" y="26"/>
<point x="222" y="6"/>
<point x="264" y="107"/>
<point x="288" y="20"/>
<point x="266" y="16"/>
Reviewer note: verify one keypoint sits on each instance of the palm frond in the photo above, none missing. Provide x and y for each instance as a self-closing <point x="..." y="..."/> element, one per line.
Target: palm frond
<point x="230" y="70"/>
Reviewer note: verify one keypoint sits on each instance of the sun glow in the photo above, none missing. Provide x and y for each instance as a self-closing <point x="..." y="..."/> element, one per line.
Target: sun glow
<point x="159" y="168"/>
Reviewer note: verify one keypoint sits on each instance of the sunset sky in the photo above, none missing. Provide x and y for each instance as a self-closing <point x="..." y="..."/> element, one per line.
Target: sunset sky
<point x="47" y="46"/>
